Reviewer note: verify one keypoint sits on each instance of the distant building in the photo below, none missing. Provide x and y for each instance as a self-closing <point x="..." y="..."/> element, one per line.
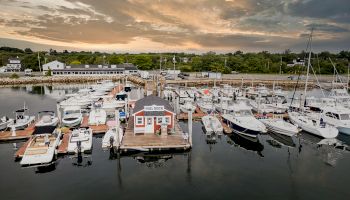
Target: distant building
<point x="296" y="62"/>
<point x="69" y="70"/>
<point x="153" y="114"/>
<point x="53" y="65"/>
<point x="13" y="65"/>
<point x="185" y="60"/>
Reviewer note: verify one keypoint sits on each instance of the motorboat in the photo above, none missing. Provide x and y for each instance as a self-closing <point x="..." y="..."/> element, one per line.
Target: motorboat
<point x="212" y="125"/>
<point x="97" y="116"/>
<point x="261" y="105"/>
<point x="5" y="122"/>
<point x="47" y="118"/>
<point x="225" y="105"/>
<point x="206" y="105"/>
<point x="42" y="147"/>
<point x="313" y="124"/>
<point x="72" y="116"/>
<point x="113" y="136"/>
<point x="81" y="101"/>
<point x="243" y="122"/>
<point x="22" y="120"/>
<point x="338" y="117"/>
<point x="278" y="125"/>
<point x="188" y="106"/>
<point x="80" y="141"/>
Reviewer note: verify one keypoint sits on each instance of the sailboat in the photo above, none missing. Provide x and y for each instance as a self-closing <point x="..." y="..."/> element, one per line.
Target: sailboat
<point x="311" y="122"/>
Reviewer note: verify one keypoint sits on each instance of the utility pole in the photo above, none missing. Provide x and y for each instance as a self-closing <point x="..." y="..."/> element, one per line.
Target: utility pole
<point x="39" y="62"/>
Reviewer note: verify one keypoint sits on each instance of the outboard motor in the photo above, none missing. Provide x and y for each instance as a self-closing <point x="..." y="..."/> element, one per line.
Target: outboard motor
<point x="111" y="141"/>
<point x="79" y="146"/>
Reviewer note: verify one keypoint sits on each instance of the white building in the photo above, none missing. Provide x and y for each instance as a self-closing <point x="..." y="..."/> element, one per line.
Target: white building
<point x="296" y="62"/>
<point x="13" y="65"/>
<point x="53" y="65"/>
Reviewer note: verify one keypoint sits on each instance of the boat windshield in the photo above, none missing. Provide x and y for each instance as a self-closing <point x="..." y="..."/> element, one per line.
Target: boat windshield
<point x="243" y="113"/>
<point x="71" y="112"/>
<point x="344" y="116"/>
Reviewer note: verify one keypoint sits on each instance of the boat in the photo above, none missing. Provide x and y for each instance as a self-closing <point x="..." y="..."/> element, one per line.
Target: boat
<point x="243" y="122"/>
<point x="47" y="118"/>
<point x="5" y="122"/>
<point x="80" y="141"/>
<point x="338" y="117"/>
<point x="312" y="124"/>
<point x="261" y="105"/>
<point x="224" y="106"/>
<point x="113" y="136"/>
<point x="42" y="147"/>
<point x="72" y="116"/>
<point x="121" y="96"/>
<point x="188" y="106"/>
<point x="97" y="116"/>
<point x="206" y="105"/>
<point x="22" y="120"/>
<point x="278" y="125"/>
<point x="212" y="125"/>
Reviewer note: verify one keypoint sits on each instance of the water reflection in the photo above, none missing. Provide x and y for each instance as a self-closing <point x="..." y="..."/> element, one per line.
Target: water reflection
<point x="248" y="143"/>
<point x="46" y="169"/>
<point x="81" y="160"/>
<point x="283" y="139"/>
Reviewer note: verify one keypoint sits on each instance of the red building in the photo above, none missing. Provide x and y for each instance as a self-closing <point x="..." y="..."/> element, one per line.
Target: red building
<point x="152" y="114"/>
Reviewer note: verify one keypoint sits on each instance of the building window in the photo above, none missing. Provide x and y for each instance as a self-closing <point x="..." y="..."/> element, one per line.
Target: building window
<point x="159" y="120"/>
<point x="139" y="120"/>
<point x="167" y="120"/>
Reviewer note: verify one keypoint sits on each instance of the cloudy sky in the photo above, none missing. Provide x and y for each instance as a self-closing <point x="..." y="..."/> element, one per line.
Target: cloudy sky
<point x="175" y="25"/>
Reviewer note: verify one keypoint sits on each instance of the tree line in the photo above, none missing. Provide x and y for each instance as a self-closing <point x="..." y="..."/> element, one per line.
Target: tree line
<point x="260" y="62"/>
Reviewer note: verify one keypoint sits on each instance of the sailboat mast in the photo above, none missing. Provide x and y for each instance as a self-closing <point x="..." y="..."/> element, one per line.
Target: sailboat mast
<point x="308" y="64"/>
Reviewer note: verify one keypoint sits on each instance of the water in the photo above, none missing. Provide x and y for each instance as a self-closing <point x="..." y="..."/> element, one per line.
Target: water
<point x="232" y="168"/>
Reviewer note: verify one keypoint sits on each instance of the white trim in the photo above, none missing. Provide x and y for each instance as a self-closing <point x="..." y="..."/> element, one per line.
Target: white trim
<point x="169" y="122"/>
<point x="139" y="117"/>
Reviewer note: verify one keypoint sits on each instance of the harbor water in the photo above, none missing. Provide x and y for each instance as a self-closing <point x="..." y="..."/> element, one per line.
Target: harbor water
<point x="226" y="167"/>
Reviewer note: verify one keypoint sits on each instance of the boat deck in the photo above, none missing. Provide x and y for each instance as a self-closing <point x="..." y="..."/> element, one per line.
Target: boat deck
<point x="62" y="148"/>
<point x="198" y="114"/>
<point x="153" y="141"/>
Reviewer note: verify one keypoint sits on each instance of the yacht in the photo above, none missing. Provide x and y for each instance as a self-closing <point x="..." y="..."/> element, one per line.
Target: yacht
<point x="278" y="125"/>
<point x="212" y="125"/>
<point x="47" y="118"/>
<point x="42" y="147"/>
<point x="80" y="141"/>
<point x="313" y="124"/>
<point x="22" y="120"/>
<point x="72" y="116"/>
<point x="338" y="117"/>
<point x="5" y="122"/>
<point x="97" y="116"/>
<point x="243" y="122"/>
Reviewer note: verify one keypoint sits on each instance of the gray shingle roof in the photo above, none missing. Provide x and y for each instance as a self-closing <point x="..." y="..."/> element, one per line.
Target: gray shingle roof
<point x="151" y="100"/>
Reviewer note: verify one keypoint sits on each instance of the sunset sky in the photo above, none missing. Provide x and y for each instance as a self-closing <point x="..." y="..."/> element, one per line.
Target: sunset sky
<point x="175" y="25"/>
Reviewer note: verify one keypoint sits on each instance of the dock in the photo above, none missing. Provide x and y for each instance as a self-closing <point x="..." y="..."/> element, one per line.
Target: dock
<point x="96" y="129"/>
<point x="153" y="142"/>
<point x="198" y="114"/>
<point x="62" y="148"/>
<point x="6" y="136"/>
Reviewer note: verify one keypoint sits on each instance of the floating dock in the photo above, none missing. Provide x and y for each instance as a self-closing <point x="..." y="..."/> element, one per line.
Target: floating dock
<point x="153" y="142"/>
<point x="6" y="136"/>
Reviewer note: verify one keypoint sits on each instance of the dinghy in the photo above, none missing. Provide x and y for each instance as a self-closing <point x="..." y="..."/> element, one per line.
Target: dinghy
<point x="72" y="117"/>
<point x="113" y="136"/>
<point x="47" y="118"/>
<point x="212" y="125"/>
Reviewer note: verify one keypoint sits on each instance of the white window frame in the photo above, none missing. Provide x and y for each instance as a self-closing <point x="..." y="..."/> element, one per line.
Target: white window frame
<point x="161" y="122"/>
<point x="142" y="119"/>
<point x="166" y="118"/>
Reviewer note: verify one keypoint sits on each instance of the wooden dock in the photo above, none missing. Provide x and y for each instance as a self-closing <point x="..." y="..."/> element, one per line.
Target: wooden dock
<point x="198" y="114"/>
<point x="20" y="152"/>
<point x="62" y="148"/>
<point x="153" y="142"/>
<point x="20" y="134"/>
<point x="96" y="129"/>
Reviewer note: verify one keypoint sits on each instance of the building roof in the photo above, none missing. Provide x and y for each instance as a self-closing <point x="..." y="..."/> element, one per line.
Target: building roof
<point x="16" y="58"/>
<point x="124" y="66"/>
<point x="151" y="100"/>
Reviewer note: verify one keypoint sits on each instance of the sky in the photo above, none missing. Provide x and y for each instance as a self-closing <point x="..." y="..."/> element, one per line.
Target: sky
<point x="193" y="26"/>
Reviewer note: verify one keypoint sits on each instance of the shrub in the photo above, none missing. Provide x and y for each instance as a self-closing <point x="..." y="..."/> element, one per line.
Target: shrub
<point x="14" y="76"/>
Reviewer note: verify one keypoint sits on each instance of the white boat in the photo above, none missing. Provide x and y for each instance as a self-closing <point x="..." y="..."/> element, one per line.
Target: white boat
<point x="22" y="120"/>
<point x="338" y="117"/>
<point x="113" y="136"/>
<point x="97" y="116"/>
<point x="206" y="105"/>
<point x="72" y="117"/>
<point x="47" y="118"/>
<point x="278" y="125"/>
<point x="341" y="96"/>
<point x="260" y="105"/>
<point x="81" y="101"/>
<point x="5" y="122"/>
<point x="42" y="147"/>
<point x="80" y="141"/>
<point x="187" y="106"/>
<point x="243" y="122"/>
<point x="313" y="125"/>
<point x="225" y="105"/>
<point x="212" y="125"/>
